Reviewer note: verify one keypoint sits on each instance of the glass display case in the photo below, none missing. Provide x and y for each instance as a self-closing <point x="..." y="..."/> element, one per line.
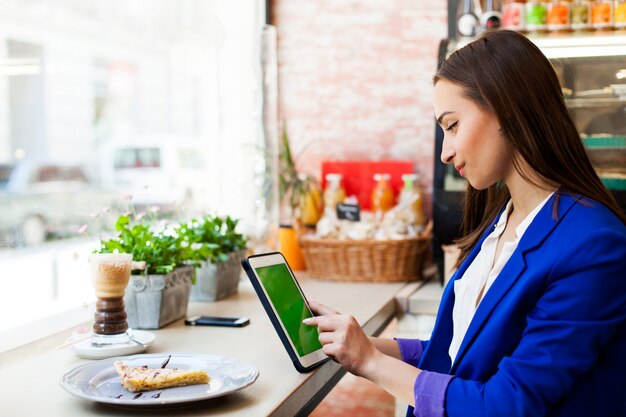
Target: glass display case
<point x="592" y="71"/>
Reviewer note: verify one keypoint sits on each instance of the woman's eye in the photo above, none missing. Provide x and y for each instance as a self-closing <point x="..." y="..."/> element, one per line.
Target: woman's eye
<point x="451" y="127"/>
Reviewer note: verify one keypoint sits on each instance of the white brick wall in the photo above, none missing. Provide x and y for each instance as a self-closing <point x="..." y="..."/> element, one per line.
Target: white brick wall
<point x="355" y="79"/>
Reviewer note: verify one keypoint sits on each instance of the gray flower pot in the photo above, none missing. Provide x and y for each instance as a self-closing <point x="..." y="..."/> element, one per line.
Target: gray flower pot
<point x="157" y="300"/>
<point x="215" y="281"/>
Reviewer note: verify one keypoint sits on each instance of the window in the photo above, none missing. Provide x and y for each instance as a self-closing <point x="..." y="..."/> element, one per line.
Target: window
<point x="93" y="88"/>
<point x="129" y="158"/>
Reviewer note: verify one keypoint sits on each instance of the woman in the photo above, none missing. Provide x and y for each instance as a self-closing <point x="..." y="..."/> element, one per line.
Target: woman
<point x="533" y="323"/>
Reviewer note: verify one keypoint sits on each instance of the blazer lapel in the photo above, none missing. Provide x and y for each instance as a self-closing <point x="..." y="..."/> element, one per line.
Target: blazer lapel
<point x="435" y="357"/>
<point x="541" y="226"/>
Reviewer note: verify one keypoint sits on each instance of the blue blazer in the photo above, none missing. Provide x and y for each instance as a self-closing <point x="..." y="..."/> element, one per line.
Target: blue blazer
<point x="549" y="337"/>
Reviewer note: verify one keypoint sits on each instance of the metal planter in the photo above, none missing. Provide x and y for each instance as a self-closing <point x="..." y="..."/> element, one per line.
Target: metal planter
<point x="215" y="281"/>
<point x="156" y="300"/>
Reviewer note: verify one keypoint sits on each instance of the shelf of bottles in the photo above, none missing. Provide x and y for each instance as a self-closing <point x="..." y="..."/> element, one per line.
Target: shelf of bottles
<point x="571" y="33"/>
<point x="541" y="17"/>
<point x="563" y="16"/>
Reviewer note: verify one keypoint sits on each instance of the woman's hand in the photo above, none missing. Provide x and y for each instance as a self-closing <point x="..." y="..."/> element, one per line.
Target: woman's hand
<point x="343" y="339"/>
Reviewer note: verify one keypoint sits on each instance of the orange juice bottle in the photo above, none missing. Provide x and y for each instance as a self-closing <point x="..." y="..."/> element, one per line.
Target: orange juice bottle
<point x="602" y="15"/>
<point x="290" y="248"/>
<point x="382" y="194"/>
<point x="558" y="17"/>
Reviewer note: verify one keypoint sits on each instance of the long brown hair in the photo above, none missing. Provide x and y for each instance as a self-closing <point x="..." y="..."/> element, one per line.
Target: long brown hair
<point x="505" y="73"/>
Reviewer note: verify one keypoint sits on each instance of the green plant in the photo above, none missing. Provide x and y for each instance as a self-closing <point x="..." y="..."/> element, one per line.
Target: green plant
<point x="211" y="238"/>
<point x="162" y="252"/>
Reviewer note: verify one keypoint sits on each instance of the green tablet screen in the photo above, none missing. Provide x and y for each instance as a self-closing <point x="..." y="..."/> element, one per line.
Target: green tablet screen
<point x="291" y="308"/>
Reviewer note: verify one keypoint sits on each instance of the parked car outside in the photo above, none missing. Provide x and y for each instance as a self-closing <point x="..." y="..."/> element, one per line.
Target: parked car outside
<point x="168" y="172"/>
<point x="39" y="200"/>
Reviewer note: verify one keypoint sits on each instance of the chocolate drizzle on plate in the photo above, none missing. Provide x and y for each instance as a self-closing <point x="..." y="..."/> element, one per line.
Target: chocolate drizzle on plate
<point x="164" y="364"/>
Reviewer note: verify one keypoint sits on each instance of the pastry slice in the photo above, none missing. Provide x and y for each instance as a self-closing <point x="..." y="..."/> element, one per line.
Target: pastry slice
<point x="148" y="379"/>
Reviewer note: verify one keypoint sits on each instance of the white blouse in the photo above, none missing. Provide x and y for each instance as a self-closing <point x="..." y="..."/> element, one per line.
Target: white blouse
<point x="482" y="272"/>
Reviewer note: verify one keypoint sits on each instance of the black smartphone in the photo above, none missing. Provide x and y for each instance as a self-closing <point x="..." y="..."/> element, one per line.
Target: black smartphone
<point x="217" y="321"/>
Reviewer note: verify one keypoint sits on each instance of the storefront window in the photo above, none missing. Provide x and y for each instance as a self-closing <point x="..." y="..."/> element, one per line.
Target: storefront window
<point x="89" y="89"/>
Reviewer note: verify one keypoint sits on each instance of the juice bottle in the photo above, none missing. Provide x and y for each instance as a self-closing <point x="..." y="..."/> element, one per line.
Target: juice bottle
<point x="536" y="16"/>
<point x="411" y="195"/>
<point x="382" y="194"/>
<point x="513" y="15"/>
<point x="602" y="15"/>
<point x="581" y="15"/>
<point x="334" y="192"/>
<point x="558" y="16"/>
<point x="290" y="248"/>
<point x="620" y="14"/>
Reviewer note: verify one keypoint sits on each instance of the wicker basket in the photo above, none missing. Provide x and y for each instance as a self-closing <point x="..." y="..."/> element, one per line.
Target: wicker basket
<point x="366" y="260"/>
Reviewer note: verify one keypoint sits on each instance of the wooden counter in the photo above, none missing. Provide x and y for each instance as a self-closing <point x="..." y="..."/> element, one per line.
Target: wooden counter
<point x="30" y="374"/>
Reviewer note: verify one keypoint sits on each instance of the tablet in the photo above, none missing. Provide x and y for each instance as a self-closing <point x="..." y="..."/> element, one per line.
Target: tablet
<point x="286" y="306"/>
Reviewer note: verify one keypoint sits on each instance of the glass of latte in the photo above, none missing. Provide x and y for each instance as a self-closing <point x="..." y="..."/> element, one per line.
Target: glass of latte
<point x="110" y="273"/>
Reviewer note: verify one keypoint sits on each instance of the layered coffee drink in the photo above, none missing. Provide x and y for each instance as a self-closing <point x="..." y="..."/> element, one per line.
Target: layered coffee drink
<point x="110" y="273"/>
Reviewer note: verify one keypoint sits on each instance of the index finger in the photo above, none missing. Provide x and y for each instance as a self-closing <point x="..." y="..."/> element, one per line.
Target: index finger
<point x="320" y="309"/>
<point x="324" y="323"/>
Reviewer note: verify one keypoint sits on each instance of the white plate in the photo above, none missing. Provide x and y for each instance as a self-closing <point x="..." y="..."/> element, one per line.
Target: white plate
<point x="84" y="349"/>
<point x="99" y="381"/>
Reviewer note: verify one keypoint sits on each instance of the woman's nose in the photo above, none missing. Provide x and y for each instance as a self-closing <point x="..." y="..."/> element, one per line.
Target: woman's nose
<point x="447" y="153"/>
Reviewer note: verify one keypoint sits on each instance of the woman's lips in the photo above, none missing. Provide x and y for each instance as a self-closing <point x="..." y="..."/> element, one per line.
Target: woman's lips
<point x="461" y="169"/>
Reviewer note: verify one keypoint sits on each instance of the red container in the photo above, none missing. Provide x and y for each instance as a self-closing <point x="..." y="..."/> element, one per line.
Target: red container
<point x="358" y="177"/>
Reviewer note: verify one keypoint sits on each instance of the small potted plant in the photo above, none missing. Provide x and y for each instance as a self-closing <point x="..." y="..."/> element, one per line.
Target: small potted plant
<point x="215" y="243"/>
<point x="158" y="294"/>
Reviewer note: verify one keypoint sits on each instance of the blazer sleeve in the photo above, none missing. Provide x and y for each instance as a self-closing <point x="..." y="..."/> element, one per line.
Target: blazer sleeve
<point x="581" y="310"/>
